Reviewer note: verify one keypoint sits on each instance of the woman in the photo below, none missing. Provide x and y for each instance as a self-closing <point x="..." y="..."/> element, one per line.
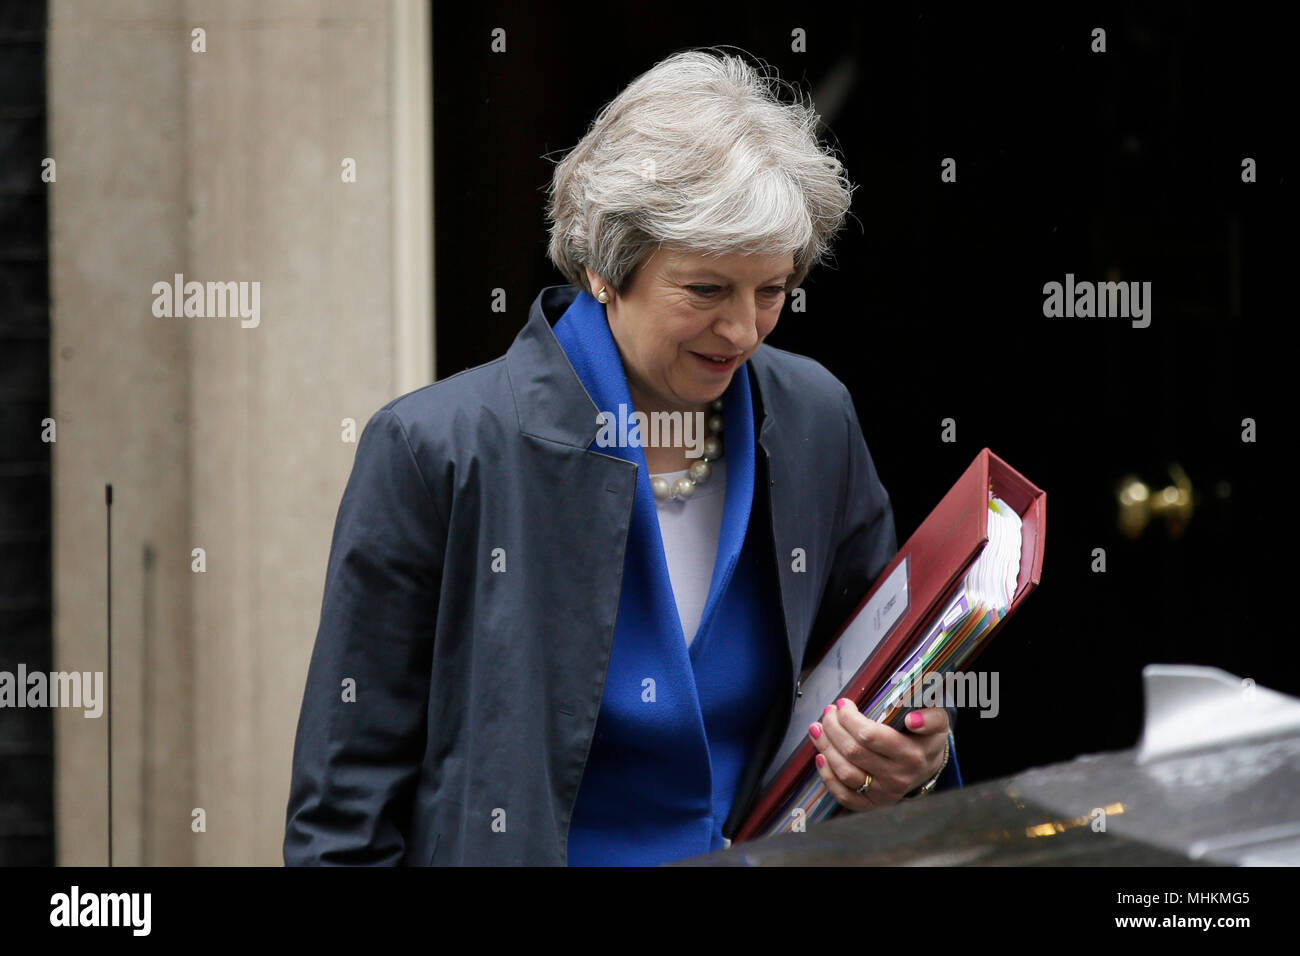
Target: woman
<point x="530" y="653"/>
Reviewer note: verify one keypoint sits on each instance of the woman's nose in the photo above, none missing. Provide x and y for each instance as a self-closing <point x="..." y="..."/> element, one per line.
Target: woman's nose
<point x="739" y="325"/>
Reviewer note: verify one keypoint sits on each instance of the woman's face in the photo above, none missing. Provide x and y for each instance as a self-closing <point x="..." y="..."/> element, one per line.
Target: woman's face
<point x="681" y="311"/>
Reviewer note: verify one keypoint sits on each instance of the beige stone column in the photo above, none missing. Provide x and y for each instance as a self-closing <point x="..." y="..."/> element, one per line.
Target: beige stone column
<point x="230" y="163"/>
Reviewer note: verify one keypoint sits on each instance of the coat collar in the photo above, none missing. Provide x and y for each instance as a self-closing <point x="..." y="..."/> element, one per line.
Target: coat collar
<point x="549" y="397"/>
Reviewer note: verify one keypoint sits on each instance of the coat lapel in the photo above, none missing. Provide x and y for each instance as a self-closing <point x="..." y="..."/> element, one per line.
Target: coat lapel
<point x="781" y="485"/>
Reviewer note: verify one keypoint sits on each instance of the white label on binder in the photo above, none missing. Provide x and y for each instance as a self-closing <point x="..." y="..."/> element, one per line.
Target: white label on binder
<point x="828" y="679"/>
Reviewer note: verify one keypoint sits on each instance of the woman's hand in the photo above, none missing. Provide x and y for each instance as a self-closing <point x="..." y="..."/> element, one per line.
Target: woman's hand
<point x="851" y="746"/>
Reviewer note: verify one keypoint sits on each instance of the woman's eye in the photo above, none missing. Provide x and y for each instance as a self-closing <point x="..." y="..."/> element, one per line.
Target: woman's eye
<point x="768" y="292"/>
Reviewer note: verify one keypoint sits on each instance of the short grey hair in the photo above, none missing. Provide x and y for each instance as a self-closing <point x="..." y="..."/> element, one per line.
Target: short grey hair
<point x="701" y="154"/>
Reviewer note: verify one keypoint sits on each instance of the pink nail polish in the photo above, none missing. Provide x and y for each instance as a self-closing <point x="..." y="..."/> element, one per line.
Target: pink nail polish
<point x="821" y="761"/>
<point x="840" y="704"/>
<point x="915" y="720"/>
<point x="828" y="709"/>
<point x="815" y="731"/>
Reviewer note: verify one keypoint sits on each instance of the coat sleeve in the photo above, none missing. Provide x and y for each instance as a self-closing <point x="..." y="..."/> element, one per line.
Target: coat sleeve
<point x="361" y="731"/>
<point x="868" y="541"/>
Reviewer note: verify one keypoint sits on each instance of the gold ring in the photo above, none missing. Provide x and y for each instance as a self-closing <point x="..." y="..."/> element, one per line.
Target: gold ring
<point x="865" y="786"/>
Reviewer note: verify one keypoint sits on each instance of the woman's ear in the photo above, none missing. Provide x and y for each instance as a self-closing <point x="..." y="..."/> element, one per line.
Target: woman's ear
<point x="594" y="282"/>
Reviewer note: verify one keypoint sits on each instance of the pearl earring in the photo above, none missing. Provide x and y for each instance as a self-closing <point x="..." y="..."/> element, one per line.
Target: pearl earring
<point x="602" y="296"/>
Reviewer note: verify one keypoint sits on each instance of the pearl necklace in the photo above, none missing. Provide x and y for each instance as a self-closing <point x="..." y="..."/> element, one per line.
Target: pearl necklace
<point x="700" y="470"/>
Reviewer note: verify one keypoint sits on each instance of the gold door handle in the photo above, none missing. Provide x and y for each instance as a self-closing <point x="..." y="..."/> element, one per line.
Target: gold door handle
<point x="1139" y="504"/>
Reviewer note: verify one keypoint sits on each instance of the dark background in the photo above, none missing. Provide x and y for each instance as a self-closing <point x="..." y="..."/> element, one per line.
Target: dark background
<point x="26" y="735"/>
<point x="1124" y="165"/>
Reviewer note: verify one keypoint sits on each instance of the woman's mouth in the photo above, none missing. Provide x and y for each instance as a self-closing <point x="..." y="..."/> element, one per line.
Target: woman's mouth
<point x="717" y="363"/>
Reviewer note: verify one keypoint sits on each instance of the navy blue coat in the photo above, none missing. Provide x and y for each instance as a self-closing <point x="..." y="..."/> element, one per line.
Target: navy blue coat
<point x="476" y="693"/>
